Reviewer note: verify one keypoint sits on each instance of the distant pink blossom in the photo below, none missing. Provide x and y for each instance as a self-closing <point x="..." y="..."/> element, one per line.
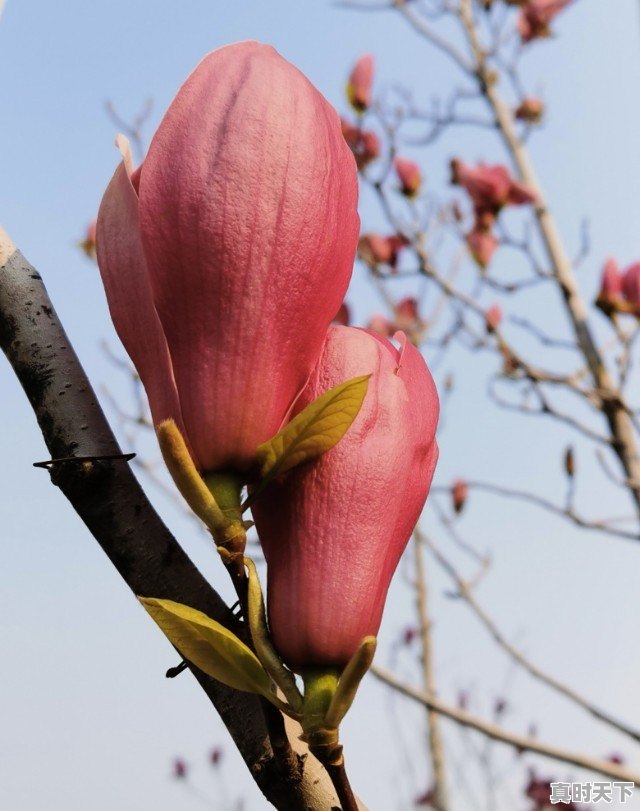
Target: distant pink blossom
<point x="376" y="249"/>
<point x="482" y="245"/>
<point x="409" y="175"/>
<point x="493" y="317"/>
<point x="536" y="17"/>
<point x="364" y="144"/>
<point x="360" y="83"/>
<point x="491" y="188"/>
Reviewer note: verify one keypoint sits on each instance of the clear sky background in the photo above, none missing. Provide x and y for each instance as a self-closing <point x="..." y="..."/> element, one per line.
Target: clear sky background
<point x="87" y="720"/>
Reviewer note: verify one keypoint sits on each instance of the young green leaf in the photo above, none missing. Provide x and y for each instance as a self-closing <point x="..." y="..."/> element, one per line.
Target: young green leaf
<point x="349" y="682"/>
<point x="315" y="430"/>
<point x="210" y="646"/>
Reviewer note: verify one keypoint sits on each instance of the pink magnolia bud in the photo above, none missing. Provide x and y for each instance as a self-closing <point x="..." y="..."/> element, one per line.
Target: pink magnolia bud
<point x="360" y="83"/>
<point x="490" y="188"/>
<point x="530" y="110"/>
<point x="226" y="254"/>
<point x="381" y="325"/>
<point x="631" y="287"/>
<point x="88" y="244"/>
<point x="482" y="245"/>
<point x="334" y="530"/>
<point x="409" y="634"/>
<point x="459" y="494"/>
<point x="215" y="756"/>
<point x="343" y="316"/>
<point x="493" y="317"/>
<point x="364" y="144"/>
<point x="375" y="249"/>
<point x="536" y="16"/>
<point x="179" y="769"/>
<point x="611" y="284"/>
<point x="407" y="316"/>
<point x="409" y="176"/>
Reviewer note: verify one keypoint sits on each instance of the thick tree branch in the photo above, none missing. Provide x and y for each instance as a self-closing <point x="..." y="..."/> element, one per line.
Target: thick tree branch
<point x="110" y="501"/>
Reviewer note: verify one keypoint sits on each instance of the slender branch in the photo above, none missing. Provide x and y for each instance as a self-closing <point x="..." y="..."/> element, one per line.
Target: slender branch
<point x="110" y="501"/>
<point x="520" y="742"/>
<point x="466" y="594"/>
<point x="435" y="735"/>
<point x="539" y="501"/>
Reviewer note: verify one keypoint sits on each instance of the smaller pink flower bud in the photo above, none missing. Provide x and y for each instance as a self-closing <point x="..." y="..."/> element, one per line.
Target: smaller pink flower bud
<point x="407" y="317"/>
<point x="215" y="756"/>
<point x="530" y="110"/>
<point x="360" y="83"/>
<point x="459" y="494"/>
<point x="493" y="317"/>
<point x="610" y="296"/>
<point x="631" y="287"/>
<point x="88" y="244"/>
<point x="611" y="285"/>
<point x="536" y="17"/>
<point x="409" y="176"/>
<point x="333" y="531"/>
<point x="343" y="316"/>
<point x="616" y="757"/>
<point x="427" y="799"/>
<point x="179" y="769"/>
<point x="500" y="707"/>
<point x="409" y="635"/>
<point x="364" y="144"/>
<point x="482" y="245"/>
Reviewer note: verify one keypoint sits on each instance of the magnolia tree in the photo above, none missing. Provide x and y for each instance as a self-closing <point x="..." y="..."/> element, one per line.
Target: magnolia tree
<point x="226" y="255"/>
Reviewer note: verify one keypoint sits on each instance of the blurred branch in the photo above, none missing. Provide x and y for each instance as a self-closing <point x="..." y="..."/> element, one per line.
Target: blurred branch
<point x="520" y="742"/>
<point x="441" y="801"/>
<point x="466" y="593"/>
<point x="540" y="501"/>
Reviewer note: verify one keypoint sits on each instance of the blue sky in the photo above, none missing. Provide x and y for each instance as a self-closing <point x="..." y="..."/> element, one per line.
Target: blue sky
<point x="87" y="719"/>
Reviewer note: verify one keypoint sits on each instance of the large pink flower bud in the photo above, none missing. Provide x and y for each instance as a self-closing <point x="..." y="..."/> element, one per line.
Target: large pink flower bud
<point x="360" y="83"/>
<point x="227" y="253"/>
<point x="333" y="531"/>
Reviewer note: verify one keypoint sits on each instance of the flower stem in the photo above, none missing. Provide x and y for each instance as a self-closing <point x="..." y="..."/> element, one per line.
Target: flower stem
<point x="341" y="784"/>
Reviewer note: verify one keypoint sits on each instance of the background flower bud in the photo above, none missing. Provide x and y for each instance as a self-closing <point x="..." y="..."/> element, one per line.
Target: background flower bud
<point x="536" y="17"/>
<point x="493" y="317"/>
<point x="227" y="253"/>
<point x="482" y="245"/>
<point x="334" y="530"/>
<point x="459" y="494"/>
<point x="530" y="110"/>
<point x="360" y="83"/>
<point x="491" y="188"/>
<point x="409" y="176"/>
<point x="631" y="287"/>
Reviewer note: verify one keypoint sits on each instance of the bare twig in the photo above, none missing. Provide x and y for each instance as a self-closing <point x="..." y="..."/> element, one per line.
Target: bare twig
<point x="520" y="742"/>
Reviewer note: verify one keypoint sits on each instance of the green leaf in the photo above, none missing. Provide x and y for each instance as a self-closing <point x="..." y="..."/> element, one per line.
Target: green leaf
<point x="315" y="430"/>
<point x="210" y="646"/>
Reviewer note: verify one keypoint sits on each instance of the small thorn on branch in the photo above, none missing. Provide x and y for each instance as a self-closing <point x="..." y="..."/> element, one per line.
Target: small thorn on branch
<point x="177" y="670"/>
